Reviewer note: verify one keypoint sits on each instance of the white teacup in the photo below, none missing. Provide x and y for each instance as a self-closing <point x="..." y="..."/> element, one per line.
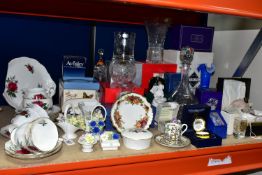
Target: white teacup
<point x="38" y="135"/>
<point x="175" y="130"/>
<point x="28" y="115"/>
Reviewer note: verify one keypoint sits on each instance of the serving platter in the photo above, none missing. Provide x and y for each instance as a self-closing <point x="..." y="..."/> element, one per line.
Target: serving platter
<point x="131" y="111"/>
<point x="25" y="73"/>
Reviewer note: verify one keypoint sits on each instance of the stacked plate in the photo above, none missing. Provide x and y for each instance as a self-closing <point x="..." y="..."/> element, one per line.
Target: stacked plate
<point x="32" y="134"/>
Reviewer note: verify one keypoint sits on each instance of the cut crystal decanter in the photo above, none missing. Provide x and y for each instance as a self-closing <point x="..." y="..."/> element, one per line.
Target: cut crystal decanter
<point x="183" y="95"/>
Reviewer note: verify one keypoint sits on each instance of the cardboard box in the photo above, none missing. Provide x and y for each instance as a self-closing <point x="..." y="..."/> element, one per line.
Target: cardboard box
<point x="109" y="95"/>
<point x="229" y="119"/>
<point x="199" y="38"/>
<point x="67" y="94"/>
<point x="216" y="124"/>
<point x="172" y="80"/>
<point x="173" y="56"/>
<point x="148" y="71"/>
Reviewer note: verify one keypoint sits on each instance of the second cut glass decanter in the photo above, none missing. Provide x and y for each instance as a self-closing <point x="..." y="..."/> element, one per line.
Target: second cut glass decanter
<point x="183" y="95"/>
<point x="122" y="67"/>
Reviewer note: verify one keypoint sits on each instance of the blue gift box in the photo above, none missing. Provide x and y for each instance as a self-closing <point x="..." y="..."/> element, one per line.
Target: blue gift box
<point x="172" y="81"/>
<point x="209" y="97"/>
<point x="191" y="112"/>
<point x="199" y="38"/>
<point x="214" y="140"/>
<point x="80" y="83"/>
<point x="74" y="66"/>
<point x="216" y="124"/>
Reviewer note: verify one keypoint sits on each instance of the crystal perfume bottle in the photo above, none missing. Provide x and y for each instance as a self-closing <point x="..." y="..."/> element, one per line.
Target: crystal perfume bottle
<point x="183" y="95"/>
<point x="122" y="67"/>
<point x="100" y="69"/>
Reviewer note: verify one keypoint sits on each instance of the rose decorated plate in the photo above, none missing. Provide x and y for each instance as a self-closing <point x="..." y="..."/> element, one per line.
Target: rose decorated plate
<point x="131" y="111"/>
<point x="25" y="73"/>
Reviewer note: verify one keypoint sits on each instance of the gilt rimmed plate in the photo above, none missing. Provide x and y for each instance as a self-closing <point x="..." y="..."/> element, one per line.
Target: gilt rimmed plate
<point x="25" y="73"/>
<point x="131" y="111"/>
<point x="12" y="151"/>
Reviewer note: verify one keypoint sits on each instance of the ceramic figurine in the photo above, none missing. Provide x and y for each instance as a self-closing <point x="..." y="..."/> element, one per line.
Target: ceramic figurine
<point x="158" y="91"/>
<point x="87" y="141"/>
<point x="109" y="140"/>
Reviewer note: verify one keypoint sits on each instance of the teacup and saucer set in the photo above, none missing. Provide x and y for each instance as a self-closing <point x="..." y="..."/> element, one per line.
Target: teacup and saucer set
<point x="173" y="135"/>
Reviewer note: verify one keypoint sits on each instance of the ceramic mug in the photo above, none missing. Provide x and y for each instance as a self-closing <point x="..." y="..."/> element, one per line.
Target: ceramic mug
<point x="175" y="130"/>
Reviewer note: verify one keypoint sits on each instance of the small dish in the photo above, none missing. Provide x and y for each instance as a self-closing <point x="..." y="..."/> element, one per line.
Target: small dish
<point x="137" y="139"/>
<point x="12" y="151"/>
<point x="160" y="139"/>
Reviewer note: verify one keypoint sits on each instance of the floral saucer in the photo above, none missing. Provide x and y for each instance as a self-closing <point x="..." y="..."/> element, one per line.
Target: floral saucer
<point x="25" y="73"/>
<point x="12" y="151"/>
<point x="131" y="111"/>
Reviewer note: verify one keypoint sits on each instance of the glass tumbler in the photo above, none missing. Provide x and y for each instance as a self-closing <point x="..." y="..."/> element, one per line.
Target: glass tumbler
<point x="240" y="126"/>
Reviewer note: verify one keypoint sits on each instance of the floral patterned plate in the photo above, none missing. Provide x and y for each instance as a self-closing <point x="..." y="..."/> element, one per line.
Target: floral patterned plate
<point x="25" y="73"/>
<point x="131" y="111"/>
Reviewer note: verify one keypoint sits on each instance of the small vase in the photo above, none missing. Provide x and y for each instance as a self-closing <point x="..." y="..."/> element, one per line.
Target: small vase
<point x="69" y="130"/>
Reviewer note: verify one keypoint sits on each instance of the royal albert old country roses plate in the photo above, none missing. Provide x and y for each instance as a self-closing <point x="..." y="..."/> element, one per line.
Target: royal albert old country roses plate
<point x="25" y="73"/>
<point x="131" y="111"/>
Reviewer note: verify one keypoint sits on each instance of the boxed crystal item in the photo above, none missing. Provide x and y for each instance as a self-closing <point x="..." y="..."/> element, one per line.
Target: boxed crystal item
<point x="209" y="97"/>
<point x="74" y="66"/>
<point x="198" y="37"/>
<point x="196" y="117"/>
<point x="109" y="95"/>
<point x="216" y="124"/>
<point x="172" y="81"/>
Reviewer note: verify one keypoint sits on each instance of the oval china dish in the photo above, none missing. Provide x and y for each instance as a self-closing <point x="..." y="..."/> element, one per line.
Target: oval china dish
<point x="25" y="73"/>
<point x="131" y="111"/>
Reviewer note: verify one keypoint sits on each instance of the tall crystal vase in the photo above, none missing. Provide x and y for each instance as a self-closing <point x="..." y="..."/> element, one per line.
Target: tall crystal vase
<point x="122" y="67"/>
<point x="183" y="95"/>
<point x="156" y="33"/>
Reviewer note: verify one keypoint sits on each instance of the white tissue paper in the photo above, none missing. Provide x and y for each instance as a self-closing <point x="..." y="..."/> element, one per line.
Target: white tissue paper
<point x="232" y="90"/>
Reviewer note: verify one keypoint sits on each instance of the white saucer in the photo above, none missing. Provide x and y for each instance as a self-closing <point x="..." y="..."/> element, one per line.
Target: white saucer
<point x="13" y="152"/>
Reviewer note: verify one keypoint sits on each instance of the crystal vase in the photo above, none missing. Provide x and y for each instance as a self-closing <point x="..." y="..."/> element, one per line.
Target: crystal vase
<point x="122" y="67"/>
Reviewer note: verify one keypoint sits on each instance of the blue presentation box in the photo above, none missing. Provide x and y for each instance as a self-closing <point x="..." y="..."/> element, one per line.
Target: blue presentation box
<point x="80" y="83"/>
<point x="216" y="124"/>
<point x="74" y="66"/>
